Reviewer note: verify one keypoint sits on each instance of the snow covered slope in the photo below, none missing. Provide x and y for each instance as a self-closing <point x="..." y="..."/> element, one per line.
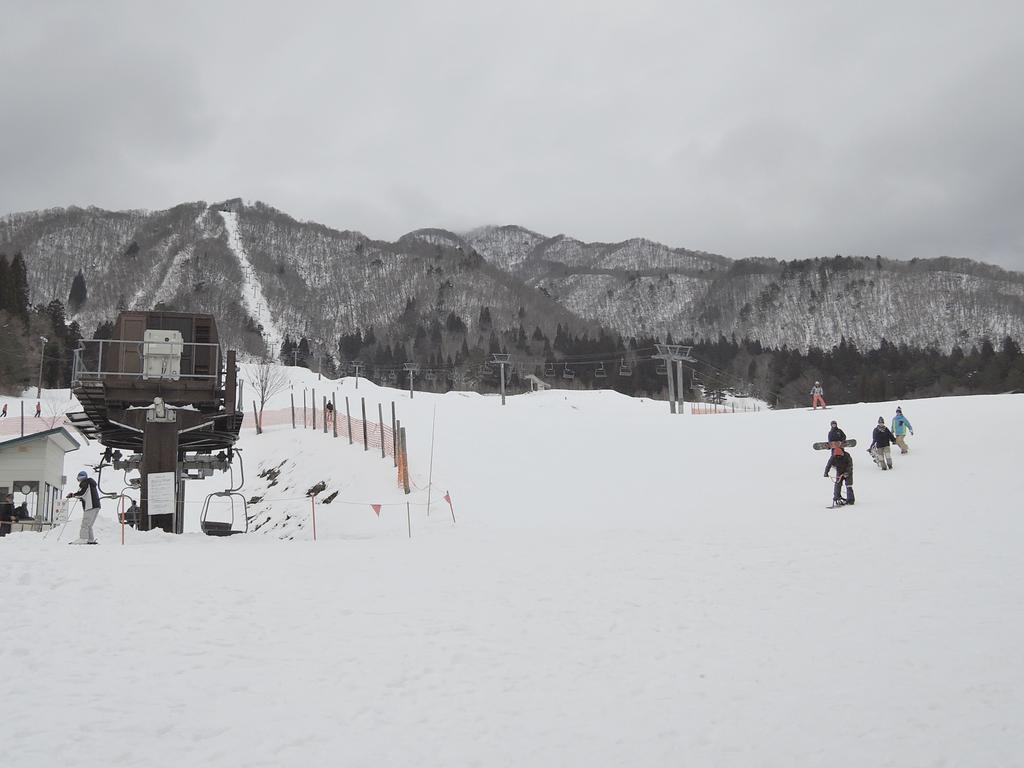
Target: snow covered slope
<point x="252" y="291"/>
<point x="622" y="587"/>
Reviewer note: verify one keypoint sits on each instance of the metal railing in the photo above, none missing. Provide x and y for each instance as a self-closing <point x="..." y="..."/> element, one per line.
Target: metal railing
<point x="96" y="359"/>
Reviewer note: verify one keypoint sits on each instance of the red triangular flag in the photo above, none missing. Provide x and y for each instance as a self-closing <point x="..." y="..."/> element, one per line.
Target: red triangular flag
<point x="447" y="497"/>
<point x="376" y="509"/>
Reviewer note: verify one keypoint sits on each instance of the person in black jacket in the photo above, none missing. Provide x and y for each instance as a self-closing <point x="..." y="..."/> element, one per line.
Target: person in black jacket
<point x="6" y="514"/>
<point x="90" y="496"/>
<point x="843" y="462"/>
<point x="881" y="439"/>
<point x="836" y="434"/>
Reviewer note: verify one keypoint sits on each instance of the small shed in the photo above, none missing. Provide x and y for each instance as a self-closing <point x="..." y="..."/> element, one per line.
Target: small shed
<point x="537" y="384"/>
<point x="32" y="470"/>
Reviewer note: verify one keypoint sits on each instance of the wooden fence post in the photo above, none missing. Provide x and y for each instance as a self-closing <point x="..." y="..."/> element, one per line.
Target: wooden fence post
<point x="348" y="418"/>
<point x="293" y="409"/>
<point x="405" y="462"/>
<point x="334" y="413"/>
<point x="380" y="416"/>
<point x="394" y="434"/>
<point x="366" y="437"/>
<point x="323" y="416"/>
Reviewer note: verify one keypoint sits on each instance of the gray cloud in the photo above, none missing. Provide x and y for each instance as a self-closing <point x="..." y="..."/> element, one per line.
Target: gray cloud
<point x="745" y="129"/>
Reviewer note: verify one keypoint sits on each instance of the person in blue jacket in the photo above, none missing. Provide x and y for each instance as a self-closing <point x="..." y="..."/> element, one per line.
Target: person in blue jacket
<point x="900" y="427"/>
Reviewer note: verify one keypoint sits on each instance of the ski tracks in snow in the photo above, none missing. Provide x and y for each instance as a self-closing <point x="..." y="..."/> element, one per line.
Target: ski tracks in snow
<point x="253" y="299"/>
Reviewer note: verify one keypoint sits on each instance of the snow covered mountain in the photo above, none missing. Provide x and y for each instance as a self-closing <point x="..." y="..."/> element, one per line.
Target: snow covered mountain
<point x="266" y="274"/>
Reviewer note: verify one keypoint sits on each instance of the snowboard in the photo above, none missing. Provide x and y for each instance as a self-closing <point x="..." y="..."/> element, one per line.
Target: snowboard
<point x="852" y="443"/>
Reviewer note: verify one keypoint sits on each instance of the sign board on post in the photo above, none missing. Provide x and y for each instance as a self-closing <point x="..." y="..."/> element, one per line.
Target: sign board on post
<point x="160" y="493"/>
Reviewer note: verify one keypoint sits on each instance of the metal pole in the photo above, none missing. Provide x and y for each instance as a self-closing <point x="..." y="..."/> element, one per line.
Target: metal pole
<point x="293" y="409"/>
<point x="408" y="518"/>
<point x="334" y="413"/>
<point x="680" y="394"/>
<point x="671" y="388"/>
<point x="430" y="472"/>
<point x="380" y="416"/>
<point x="312" y="406"/>
<point x="502" y="383"/>
<point x="394" y="434"/>
<point x="42" y="350"/>
<point x="348" y="419"/>
<point x="324" y="416"/>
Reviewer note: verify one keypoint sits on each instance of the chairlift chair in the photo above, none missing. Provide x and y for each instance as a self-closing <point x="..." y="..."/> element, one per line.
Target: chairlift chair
<point x="568" y="373"/>
<point x="431" y="377"/>
<point x="662" y="368"/>
<point x="600" y="372"/>
<point x="392" y="378"/>
<point x="227" y="528"/>
<point x="549" y="370"/>
<point x="624" y="369"/>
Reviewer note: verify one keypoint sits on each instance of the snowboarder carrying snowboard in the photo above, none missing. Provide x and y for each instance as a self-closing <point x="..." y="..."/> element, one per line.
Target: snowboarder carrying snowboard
<point x="836" y="433"/>
<point x="900" y="427"/>
<point x="817" y="396"/>
<point x="881" y="439"/>
<point x="90" y="496"/>
<point x="843" y="462"/>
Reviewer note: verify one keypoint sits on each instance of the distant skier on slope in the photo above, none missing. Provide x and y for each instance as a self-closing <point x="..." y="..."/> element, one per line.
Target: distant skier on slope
<point x="900" y="427"/>
<point x="843" y="463"/>
<point x="881" y="439"/>
<point x="817" y="396"/>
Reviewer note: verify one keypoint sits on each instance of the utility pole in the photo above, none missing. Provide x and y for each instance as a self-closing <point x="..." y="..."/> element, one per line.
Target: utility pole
<point x="502" y="360"/>
<point x="39" y="389"/>
<point x="674" y="353"/>
<point x="413" y="369"/>
<point x="295" y="357"/>
<point x="357" y="366"/>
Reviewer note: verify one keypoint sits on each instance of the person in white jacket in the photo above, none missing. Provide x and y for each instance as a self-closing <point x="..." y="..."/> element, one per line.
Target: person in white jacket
<point x="817" y="396"/>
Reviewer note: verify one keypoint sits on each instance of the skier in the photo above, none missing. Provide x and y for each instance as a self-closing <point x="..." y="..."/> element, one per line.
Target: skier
<point x="881" y="439"/>
<point x="3" y="414"/>
<point x="817" y="396"/>
<point x="39" y="409"/>
<point x="843" y="462"/>
<point x="90" y="496"/>
<point x="329" y="412"/>
<point x="900" y="427"/>
<point x="836" y="433"/>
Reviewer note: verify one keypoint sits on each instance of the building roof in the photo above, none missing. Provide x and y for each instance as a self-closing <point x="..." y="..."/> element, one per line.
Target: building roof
<point x="60" y="436"/>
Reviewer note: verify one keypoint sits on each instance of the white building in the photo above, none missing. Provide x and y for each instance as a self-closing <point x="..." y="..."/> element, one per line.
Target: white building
<point x="32" y="470"/>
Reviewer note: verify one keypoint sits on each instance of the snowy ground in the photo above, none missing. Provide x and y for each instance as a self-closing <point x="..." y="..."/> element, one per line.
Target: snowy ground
<point x="623" y="587"/>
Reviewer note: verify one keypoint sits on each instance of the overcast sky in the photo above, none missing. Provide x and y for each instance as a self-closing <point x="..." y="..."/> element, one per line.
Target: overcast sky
<point x="790" y="130"/>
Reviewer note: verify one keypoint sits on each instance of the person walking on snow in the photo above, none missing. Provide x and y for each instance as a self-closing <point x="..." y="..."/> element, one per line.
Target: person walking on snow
<point x="881" y="439"/>
<point x="843" y="462"/>
<point x="817" y="396"/>
<point x="836" y="433"/>
<point x="90" y="496"/>
<point x="900" y="427"/>
<point x="4" y="413"/>
<point x="39" y="408"/>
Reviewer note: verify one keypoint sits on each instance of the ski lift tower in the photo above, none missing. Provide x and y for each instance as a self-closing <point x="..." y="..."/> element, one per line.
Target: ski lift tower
<point x="502" y="360"/>
<point x="678" y="354"/>
<point x="163" y="390"/>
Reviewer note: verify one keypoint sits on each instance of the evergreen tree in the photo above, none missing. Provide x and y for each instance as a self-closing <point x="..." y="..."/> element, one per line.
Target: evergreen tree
<point x="78" y="294"/>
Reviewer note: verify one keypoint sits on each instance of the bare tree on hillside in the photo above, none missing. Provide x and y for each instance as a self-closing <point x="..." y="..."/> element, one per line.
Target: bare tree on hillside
<point x="268" y="379"/>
